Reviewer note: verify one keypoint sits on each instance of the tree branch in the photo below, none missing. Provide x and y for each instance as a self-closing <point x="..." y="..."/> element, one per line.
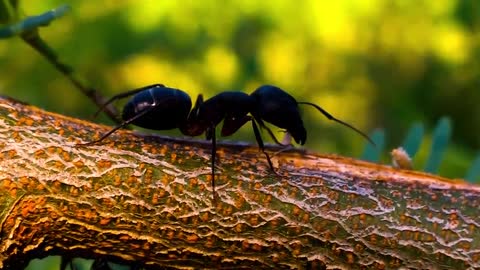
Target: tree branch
<point x="149" y="199"/>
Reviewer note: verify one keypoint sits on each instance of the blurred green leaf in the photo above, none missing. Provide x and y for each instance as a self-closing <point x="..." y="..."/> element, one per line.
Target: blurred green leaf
<point x="374" y="152"/>
<point x="116" y="266"/>
<point x="474" y="172"/>
<point x="33" y="22"/>
<point x="414" y="138"/>
<point x="48" y="263"/>
<point x="440" y="138"/>
<point x="82" y="264"/>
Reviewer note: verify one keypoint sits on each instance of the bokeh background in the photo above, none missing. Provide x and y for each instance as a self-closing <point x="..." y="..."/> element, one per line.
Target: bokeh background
<point x="372" y="63"/>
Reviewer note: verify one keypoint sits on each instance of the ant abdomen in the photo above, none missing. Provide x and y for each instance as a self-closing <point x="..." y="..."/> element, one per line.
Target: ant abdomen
<point x="167" y="108"/>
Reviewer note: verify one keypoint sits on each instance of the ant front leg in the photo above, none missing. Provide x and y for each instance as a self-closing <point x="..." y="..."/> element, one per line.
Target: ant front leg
<point x="258" y="137"/>
<point x="231" y="125"/>
<point x="270" y="132"/>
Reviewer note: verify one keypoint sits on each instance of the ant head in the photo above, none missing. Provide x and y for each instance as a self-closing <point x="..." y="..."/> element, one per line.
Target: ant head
<point x="299" y="134"/>
<point x="194" y="125"/>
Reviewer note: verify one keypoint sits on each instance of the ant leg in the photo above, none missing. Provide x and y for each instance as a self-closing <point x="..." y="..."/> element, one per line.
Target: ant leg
<point x="231" y="125"/>
<point x="214" y="152"/>
<point x="275" y="138"/>
<point x="198" y="103"/>
<point x="258" y="137"/>
<point x="124" y="95"/>
<point x="192" y="126"/>
<point x="270" y="132"/>
<point x="66" y="261"/>
<point x="142" y="113"/>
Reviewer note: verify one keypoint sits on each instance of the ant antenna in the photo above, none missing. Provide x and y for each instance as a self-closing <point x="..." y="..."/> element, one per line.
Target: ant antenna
<point x="330" y="117"/>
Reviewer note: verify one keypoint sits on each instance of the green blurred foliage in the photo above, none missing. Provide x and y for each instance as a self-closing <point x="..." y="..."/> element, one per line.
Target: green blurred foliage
<point x="372" y="63"/>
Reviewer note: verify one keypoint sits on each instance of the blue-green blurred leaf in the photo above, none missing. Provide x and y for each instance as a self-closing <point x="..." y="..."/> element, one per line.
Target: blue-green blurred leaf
<point x="412" y="142"/>
<point x="33" y="22"/>
<point x="373" y="152"/>
<point x="82" y="264"/>
<point x="474" y="172"/>
<point x="441" y="136"/>
<point x="116" y="266"/>
<point x="50" y="262"/>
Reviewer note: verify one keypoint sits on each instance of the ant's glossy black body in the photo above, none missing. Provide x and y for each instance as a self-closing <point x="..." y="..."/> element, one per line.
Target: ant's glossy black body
<point x="162" y="108"/>
<point x="267" y="103"/>
<point x="154" y="107"/>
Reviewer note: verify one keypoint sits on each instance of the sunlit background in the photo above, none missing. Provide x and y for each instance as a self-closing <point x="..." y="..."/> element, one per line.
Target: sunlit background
<point x="372" y="63"/>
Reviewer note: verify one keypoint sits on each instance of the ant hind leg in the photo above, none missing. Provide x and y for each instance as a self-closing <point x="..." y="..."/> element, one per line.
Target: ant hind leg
<point x="142" y="113"/>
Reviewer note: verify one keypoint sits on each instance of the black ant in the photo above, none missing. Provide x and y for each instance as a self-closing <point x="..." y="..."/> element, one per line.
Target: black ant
<point x="150" y="105"/>
<point x="267" y="103"/>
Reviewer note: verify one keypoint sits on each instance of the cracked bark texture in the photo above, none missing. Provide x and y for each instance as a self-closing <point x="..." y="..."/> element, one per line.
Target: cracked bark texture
<point x="148" y="199"/>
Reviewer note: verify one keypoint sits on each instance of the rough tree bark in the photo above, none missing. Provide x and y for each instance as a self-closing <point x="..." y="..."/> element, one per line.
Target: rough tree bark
<point x="149" y="199"/>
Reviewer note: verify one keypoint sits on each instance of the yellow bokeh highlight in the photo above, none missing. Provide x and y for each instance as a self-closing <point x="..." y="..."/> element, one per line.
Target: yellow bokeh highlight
<point x="396" y="36"/>
<point x="88" y="12"/>
<point x="283" y="60"/>
<point x="335" y="23"/>
<point x="141" y="70"/>
<point x="147" y="17"/>
<point x="441" y="7"/>
<point x="221" y="65"/>
<point x="348" y="104"/>
<point x="451" y="44"/>
<point x="331" y="24"/>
